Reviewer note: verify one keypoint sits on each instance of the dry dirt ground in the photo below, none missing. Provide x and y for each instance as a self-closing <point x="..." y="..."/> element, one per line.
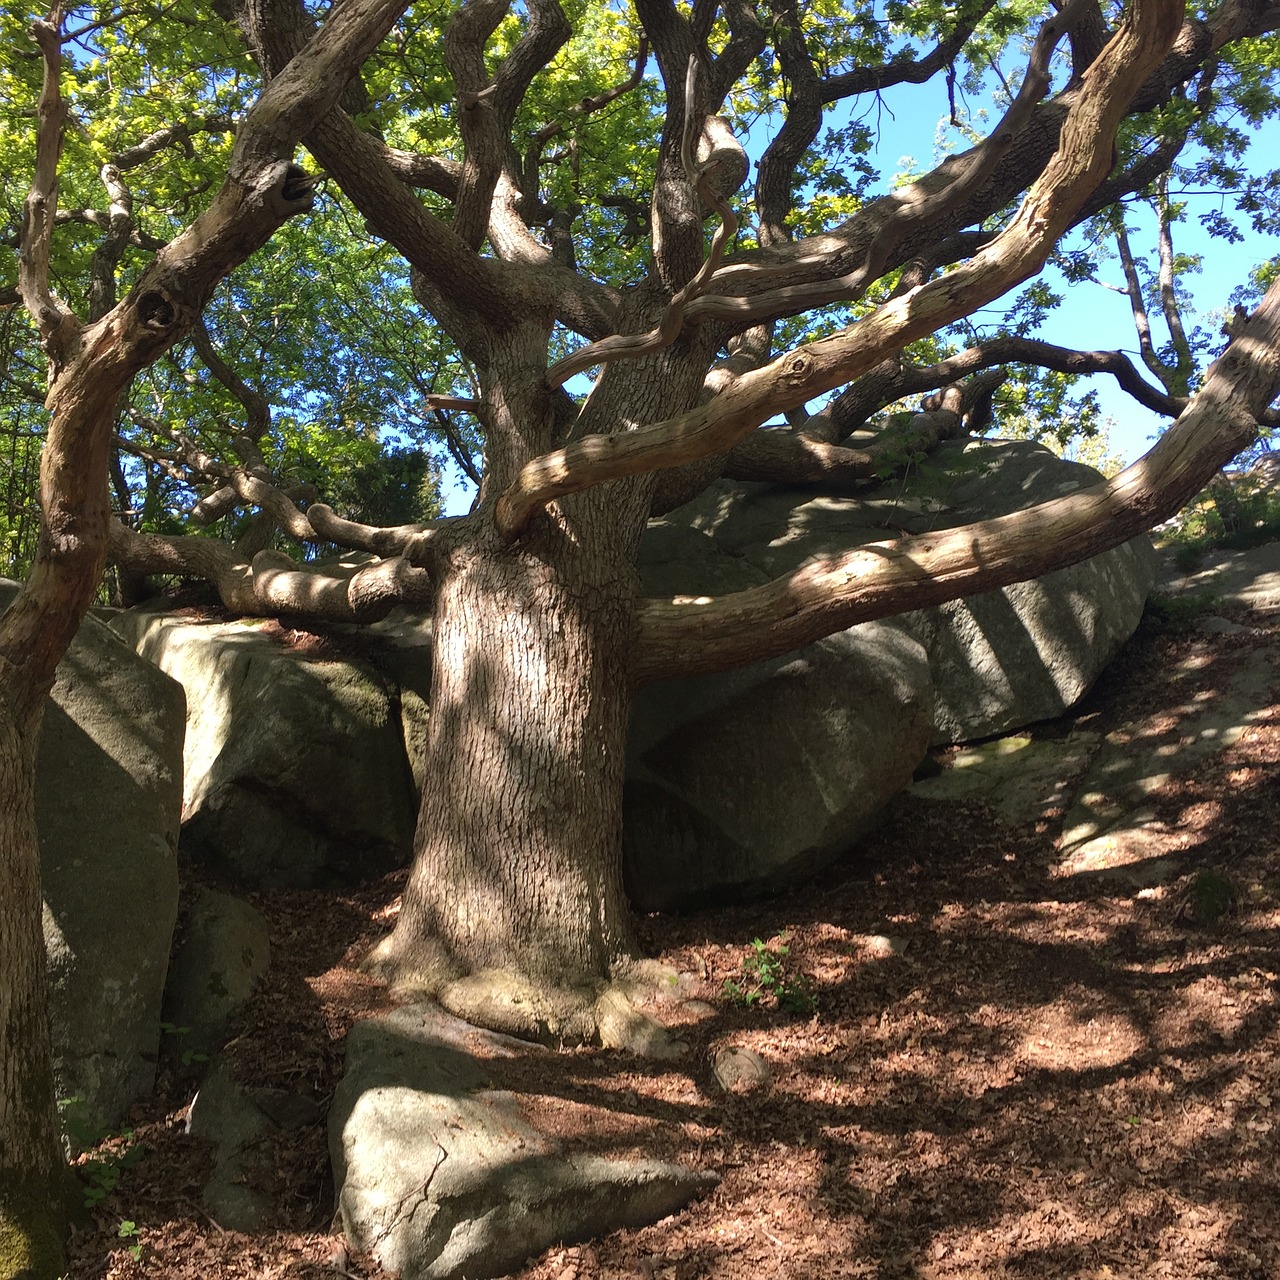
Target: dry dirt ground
<point x="1007" y="1073"/>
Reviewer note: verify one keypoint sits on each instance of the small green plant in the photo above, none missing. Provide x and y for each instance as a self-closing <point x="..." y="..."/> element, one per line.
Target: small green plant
<point x="101" y="1172"/>
<point x="767" y="976"/>
<point x="1181" y="612"/>
<point x="112" y="1153"/>
<point x="129" y="1231"/>
<point x="188" y="1055"/>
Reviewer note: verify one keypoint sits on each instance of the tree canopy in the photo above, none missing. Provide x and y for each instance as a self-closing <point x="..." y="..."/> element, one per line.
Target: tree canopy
<point x="329" y="364"/>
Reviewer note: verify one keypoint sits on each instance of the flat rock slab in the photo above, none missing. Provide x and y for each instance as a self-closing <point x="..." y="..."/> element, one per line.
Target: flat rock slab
<point x="1020" y="777"/>
<point x="1112" y="831"/>
<point x="1249" y="577"/>
<point x="440" y="1175"/>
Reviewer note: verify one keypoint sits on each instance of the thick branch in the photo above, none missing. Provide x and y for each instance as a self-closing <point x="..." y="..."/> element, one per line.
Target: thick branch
<point x="787" y="457"/>
<point x="256" y="406"/>
<point x="895" y="380"/>
<point x="57" y="325"/>
<point x="689" y="636"/>
<point x="913" y="206"/>
<point x="160" y="309"/>
<point x="1080" y="163"/>
<point x="838" y="253"/>
<point x="172" y="135"/>
<point x="272" y="584"/>
<point x="106" y="258"/>
<point x="721" y="149"/>
<point x="809" y="94"/>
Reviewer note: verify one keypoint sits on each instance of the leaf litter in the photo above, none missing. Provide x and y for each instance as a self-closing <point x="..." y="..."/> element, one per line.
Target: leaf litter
<point x="1004" y="1072"/>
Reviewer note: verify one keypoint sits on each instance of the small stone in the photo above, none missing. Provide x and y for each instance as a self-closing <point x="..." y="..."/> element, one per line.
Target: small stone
<point x="741" y="1070"/>
<point x="882" y="946"/>
<point x="622" y="1026"/>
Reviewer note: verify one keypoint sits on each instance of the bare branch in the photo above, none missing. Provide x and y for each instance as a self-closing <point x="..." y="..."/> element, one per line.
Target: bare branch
<point x="487" y="110"/>
<point x="172" y="135"/>
<point x="913" y="205"/>
<point x="106" y="258"/>
<point x="787" y="457"/>
<point x="842" y="250"/>
<point x="367" y="171"/>
<point x="57" y="324"/>
<point x="409" y="540"/>
<point x="272" y="584"/>
<point x="1184" y="364"/>
<point x="702" y="174"/>
<point x="87" y="383"/>
<point x="584" y="107"/>
<point x="256" y="406"/>
<point x="895" y="380"/>
<point x="808" y="95"/>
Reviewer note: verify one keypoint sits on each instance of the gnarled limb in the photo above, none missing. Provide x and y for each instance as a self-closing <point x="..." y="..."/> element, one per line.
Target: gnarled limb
<point x="790" y="457"/>
<point x="688" y="636"/>
<point x="58" y="326"/>
<point x="1080" y="163"/>
<point x="706" y="148"/>
<point x="819" y="259"/>
<point x="271" y="584"/>
<point x="894" y="379"/>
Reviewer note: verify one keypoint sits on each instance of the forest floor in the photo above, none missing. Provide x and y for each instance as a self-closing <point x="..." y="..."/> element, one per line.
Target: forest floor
<point x="989" y="1069"/>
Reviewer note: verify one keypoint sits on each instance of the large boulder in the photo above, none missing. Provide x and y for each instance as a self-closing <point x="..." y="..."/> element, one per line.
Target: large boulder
<point x="1030" y="650"/>
<point x="296" y="769"/>
<point x="743" y="781"/>
<point x="108" y="804"/>
<point x="440" y="1175"/>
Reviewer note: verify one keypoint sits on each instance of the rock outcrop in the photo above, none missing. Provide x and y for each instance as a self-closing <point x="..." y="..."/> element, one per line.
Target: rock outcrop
<point x="440" y="1175"/>
<point x="296" y="767"/>
<point x="741" y="782"/>
<point x="108" y="801"/>
<point x="306" y="772"/>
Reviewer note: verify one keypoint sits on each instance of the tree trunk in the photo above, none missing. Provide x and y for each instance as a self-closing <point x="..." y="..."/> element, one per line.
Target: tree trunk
<point x="516" y="887"/>
<point x="31" y="1208"/>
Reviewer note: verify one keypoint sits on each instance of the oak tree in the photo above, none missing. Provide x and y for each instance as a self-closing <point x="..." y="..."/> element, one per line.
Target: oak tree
<point x="535" y="238"/>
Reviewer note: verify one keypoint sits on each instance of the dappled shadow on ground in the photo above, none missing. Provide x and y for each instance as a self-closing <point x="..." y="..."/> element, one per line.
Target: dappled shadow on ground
<point x="1010" y="1071"/>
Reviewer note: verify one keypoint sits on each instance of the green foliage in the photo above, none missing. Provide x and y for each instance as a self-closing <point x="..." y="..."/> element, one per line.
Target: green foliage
<point x="101" y="1172"/>
<point x="128" y="1230"/>
<point x="769" y="978"/>
<point x="185" y="1055"/>
<point x="1252" y="519"/>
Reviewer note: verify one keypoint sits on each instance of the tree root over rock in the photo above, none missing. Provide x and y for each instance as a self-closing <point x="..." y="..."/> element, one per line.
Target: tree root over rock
<point x="541" y="1009"/>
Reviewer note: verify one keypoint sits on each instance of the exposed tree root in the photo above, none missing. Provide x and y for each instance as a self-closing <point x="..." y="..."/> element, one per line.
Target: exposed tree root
<point x="539" y="1008"/>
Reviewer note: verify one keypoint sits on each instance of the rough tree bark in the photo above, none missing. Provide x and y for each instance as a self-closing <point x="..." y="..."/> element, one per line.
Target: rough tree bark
<point x="528" y="768"/>
<point x="31" y="1191"/>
